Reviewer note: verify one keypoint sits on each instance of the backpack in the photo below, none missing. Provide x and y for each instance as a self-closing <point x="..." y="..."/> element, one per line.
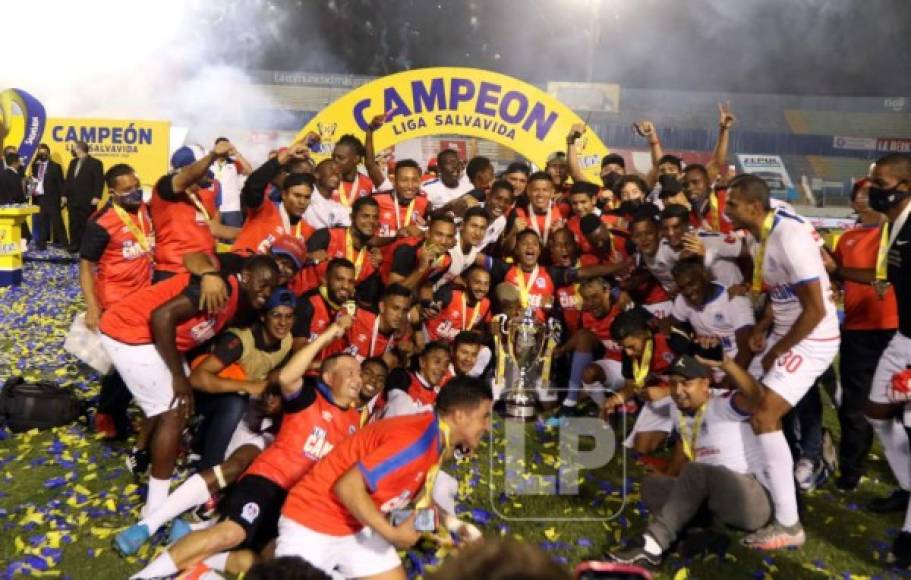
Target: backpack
<point x="42" y="405"/>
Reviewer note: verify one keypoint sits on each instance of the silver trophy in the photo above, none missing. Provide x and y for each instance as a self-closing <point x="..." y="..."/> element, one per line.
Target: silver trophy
<point x="529" y="345"/>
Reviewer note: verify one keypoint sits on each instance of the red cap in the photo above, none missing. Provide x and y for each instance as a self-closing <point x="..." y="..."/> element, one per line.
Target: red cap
<point x="293" y="247"/>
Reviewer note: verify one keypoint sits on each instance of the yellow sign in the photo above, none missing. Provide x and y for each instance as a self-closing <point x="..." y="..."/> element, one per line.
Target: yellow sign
<point x="144" y="145"/>
<point x="458" y="101"/>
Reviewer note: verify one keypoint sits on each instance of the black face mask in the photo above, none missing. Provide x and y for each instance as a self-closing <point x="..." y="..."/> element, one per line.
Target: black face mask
<point x="42" y="157"/>
<point x="610" y="179"/>
<point x="882" y="200"/>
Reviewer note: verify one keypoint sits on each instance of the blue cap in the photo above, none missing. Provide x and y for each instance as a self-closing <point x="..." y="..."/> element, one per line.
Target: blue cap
<point x="188" y="155"/>
<point x="281" y="297"/>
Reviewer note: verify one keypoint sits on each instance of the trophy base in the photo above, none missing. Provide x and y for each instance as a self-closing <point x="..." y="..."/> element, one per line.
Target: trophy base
<point x="520" y="406"/>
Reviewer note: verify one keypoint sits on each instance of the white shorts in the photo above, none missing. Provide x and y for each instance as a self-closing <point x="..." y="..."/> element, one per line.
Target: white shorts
<point x="654" y="416"/>
<point x="613" y="370"/>
<point x="365" y="553"/>
<point x="795" y="372"/>
<point x="144" y="372"/>
<point x="660" y="309"/>
<point x="894" y="359"/>
<point x="243" y="435"/>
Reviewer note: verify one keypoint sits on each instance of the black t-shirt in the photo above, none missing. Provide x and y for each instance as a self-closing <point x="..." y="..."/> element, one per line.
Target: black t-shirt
<point x="318" y="241"/>
<point x="899" y="275"/>
<point x="303" y="315"/>
<point x="405" y="260"/>
<point x="95" y="240"/>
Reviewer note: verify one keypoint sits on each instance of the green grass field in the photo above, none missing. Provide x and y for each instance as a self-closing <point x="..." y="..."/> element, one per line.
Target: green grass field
<point x="63" y="493"/>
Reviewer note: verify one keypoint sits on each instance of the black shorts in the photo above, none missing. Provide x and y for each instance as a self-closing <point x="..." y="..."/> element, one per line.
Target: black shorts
<point x="255" y="504"/>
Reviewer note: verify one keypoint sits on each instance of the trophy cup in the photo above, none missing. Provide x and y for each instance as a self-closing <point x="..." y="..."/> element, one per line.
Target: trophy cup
<point x="529" y="343"/>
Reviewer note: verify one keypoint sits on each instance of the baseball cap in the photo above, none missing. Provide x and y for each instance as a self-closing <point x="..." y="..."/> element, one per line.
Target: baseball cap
<point x="281" y="297"/>
<point x="292" y="247"/>
<point x="688" y="368"/>
<point x="188" y="155"/>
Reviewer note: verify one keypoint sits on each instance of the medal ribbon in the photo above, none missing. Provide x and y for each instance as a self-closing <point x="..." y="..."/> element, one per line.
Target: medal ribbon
<point x="643" y="365"/>
<point x="138" y="232"/>
<point x="689" y="441"/>
<point x="349" y="254"/>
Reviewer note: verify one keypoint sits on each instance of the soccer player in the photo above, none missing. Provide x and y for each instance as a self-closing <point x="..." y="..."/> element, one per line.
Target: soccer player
<point x="456" y="309"/>
<point x="403" y="211"/>
<point x="410" y="392"/>
<point x="416" y="263"/>
<point x="347" y="154"/>
<point x="373" y="334"/>
<point x="451" y="184"/>
<point x="542" y="214"/>
<point x="336" y="516"/>
<point x="802" y="344"/>
<point x="319" y="414"/>
<point x="317" y="309"/>
<point x="146" y="334"/>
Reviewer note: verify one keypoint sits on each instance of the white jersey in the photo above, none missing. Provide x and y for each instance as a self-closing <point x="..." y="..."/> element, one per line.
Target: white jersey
<point x="721" y="316"/>
<point x="325" y="213"/>
<point x="400" y="403"/>
<point x="725" y="438"/>
<point x="720" y="253"/>
<point x="459" y="262"/>
<point x="439" y="194"/>
<point x="792" y="259"/>
<point x="232" y="182"/>
<point x="494" y="231"/>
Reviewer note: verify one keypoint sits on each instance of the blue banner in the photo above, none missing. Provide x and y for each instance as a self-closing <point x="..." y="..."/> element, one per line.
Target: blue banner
<point x="35" y="118"/>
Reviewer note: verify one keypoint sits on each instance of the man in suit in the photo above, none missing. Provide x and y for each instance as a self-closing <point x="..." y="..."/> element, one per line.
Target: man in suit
<point x="12" y="189"/>
<point x="84" y="184"/>
<point x="47" y="183"/>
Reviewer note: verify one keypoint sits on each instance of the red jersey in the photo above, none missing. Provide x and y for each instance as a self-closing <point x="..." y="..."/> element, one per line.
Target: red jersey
<point x="864" y="309"/>
<point x="123" y="261"/>
<point x="662" y="359"/>
<point x="536" y="288"/>
<point x="420" y="390"/>
<point x="266" y="224"/>
<point x="312" y="425"/>
<point x="405" y="260"/>
<point x="393" y="456"/>
<point x="570" y="299"/>
<point x="348" y="191"/>
<point x="312" y="317"/>
<point x="364" y="337"/>
<point x="574" y="225"/>
<point x="456" y="315"/>
<point x="621" y="248"/>
<point x="395" y="216"/>
<point x="336" y="247"/>
<point x="182" y="225"/>
<point x="542" y="223"/>
<point x="600" y="327"/>
<point x="130" y="320"/>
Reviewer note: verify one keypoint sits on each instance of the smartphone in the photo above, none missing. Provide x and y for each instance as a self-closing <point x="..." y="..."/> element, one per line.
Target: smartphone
<point x="594" y="570"/>
<point x="424" y="521"/>
<point x="715" y="353"/>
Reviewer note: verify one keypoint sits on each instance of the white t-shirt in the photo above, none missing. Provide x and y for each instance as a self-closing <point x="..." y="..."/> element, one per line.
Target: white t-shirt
<point x="725" y="438"/>
<point x="791" y="259"/>
<point x="232" y="181"/>
<point x="438" y="194"/>
<point x="721" y="316"/>
<point x="325" y="213"/>
<point x="720" y="253"/>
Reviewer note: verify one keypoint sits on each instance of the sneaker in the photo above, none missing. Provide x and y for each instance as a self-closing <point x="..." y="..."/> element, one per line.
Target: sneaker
<point x="900" y="555"/>
<point x="179" y="529"/>
<point x="131" y="539"/>
<point x="896" y="502"/>
<point x="805" y="474"/>
<point x="206" y="511"/>
<point x="104" y="424"/>
<point x="775" y="537"/>
<point x="635" y="555"/>
<point x="138" y="461"/>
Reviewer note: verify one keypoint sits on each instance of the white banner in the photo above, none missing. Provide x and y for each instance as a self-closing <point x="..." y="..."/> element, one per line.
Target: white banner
<point x="771" y="168"/>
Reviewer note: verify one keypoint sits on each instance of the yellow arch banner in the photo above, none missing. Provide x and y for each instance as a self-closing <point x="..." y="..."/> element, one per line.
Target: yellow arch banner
<point x="458" y="101"/>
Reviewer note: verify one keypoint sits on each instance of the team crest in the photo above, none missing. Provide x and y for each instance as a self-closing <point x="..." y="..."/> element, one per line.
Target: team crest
<point x="250" y="512"/>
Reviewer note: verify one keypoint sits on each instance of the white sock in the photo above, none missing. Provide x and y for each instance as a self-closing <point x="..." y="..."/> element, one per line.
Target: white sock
<point x="191" y="493"/>
<point x="894" y="440"/>
<point x="157" y="494"/>
<point x="779" y="467"/>
<point x="652" y="546"/>
<point x="218" y="561"/>
<point x="162" y="566"/>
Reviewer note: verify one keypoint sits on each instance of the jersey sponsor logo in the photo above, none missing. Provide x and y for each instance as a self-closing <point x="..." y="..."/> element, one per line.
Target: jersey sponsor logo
<point x="203" y="331"/>
<point x="131" y="250"/>
<point x="400" y="501"/>
<point x="570" y="300"/>
<point x="316" y="446"/>
<point x="250" y="512"/>
<point x="541" y="283"/>
<point x="782" y="293"/>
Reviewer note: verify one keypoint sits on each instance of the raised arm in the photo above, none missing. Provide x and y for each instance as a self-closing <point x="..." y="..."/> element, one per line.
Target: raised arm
<point x="572" y="158"/>
<point x="726" y="120"/>
<point x="373" y="169"/>
<point x="291" y="376"/>
<point x="647" y="129"/>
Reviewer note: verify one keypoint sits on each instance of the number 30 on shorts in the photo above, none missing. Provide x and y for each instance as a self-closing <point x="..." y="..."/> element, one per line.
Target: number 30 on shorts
<point x="790" y="360"/>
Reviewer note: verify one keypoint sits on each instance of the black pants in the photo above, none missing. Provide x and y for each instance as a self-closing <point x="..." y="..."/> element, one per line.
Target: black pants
<point x="859" y="352"/>
<point x="220" y="415"/>
<point x="79" y="216"/>
<point x="51" y="220"/>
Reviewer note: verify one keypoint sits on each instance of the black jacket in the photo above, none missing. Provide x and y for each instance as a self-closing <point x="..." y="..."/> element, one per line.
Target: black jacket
<point x="53" y="177"/>
<point x="80" y="189"/>
<point x="11" y="187"/>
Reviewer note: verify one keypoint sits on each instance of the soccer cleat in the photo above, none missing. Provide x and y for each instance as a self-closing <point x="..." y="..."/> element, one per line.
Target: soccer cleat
<point x="131" y="539"/>
<point x="138" y="461"/>
<point x="179" y="529"/>
<point x="776" y="537"/>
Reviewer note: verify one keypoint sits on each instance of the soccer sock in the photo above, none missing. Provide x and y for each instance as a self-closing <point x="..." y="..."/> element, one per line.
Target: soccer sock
<point x="218" y="561"/>
<point x="580" y="361"/>
<point x="161" y="567"/>
<point x="157" y="494"/>
<point x="191" y="493"/>
<point x="894" y="440"/>
<point x="779" y="466"/>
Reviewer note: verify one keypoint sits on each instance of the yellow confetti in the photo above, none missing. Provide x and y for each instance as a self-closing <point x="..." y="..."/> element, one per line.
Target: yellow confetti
<point x="20" y="545"/>
<point x="551" y="534"/>
<point x="682" y="574"/>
